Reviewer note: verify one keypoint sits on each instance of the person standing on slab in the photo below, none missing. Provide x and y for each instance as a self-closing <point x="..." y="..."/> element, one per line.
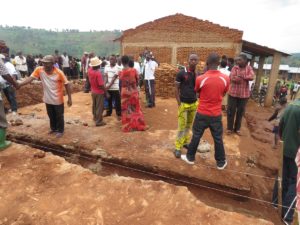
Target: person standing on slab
<point x="53" y="80"/>
<point x="212" y="86"/>
<point x="187" y="103"/>
<point x="112" y="77"/>
<point x="238" y="94"/>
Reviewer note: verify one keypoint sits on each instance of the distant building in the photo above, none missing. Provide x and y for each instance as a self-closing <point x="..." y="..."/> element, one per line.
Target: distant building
<point x="285" y="71"/>
<point x="294" y="73"/>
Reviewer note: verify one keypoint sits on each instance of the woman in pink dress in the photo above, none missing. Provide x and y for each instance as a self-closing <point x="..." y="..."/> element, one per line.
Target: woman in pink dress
<point x="132" y="116"/>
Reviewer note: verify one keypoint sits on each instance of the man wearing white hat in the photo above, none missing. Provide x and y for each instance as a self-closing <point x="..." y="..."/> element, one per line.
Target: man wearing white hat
<point x="53" y="80"/>
<point x="97" y="89"/>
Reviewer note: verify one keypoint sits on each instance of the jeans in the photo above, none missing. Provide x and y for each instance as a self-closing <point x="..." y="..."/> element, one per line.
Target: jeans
<point x="114" y="96"/>
<point x="56" y="116"/>
<point x="201" y="123"/>
<point x="67" y="72"/>
<point x="235" y="110"/>
<point x="289" y="181"/>
<point x="150" y="92"/>
<point x="87" y="85"/>
<point x="10" y="94"/>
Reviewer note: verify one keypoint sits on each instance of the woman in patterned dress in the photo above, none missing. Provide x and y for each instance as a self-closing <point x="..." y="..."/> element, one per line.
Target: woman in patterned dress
<point x="132" y="116"/>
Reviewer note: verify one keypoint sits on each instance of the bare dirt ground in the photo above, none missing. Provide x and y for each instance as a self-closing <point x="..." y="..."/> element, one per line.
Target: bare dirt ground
<point x="152" y="151"/>
<point x="42" y="189"/>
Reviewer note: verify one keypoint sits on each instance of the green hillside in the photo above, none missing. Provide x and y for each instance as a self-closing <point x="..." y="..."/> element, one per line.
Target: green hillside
<point x="294" y="60"/>
<point x="40" y="41"/>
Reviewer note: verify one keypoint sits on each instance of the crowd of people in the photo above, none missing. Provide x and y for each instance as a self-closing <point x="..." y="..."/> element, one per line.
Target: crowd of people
<point x="115" y="83"/>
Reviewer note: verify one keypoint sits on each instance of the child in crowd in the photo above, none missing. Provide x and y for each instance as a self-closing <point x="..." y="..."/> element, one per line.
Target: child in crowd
<point x="276" y="118"/>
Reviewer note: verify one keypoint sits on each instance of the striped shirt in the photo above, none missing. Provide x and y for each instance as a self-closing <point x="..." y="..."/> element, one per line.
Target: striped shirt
<point x="53" y="84"/>
<point x="239" y="81"/>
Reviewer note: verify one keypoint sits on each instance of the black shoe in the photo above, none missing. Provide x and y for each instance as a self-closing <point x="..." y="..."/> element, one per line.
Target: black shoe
<point x="177" y="153"/>
<point x="186" y="146"/>
<point x="221" y="165"/>
<point x="106" y="115"/>
<point x="100" y="124"/>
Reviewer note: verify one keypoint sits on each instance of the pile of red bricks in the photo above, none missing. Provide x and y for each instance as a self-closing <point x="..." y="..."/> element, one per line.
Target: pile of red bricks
<point x="165" y="76"/>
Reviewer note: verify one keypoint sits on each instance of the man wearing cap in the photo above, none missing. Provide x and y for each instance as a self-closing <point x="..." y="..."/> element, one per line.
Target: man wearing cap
<point x="3" y="122"/>
<point x="53" y="80"/>
<point x="21" y="64"/>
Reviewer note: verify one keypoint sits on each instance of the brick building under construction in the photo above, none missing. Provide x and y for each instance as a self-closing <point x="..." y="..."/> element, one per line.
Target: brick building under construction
<point x="174" y="37"/>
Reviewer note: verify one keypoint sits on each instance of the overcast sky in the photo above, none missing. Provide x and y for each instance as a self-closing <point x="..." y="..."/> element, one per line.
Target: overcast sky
<point x="274" y="23"/>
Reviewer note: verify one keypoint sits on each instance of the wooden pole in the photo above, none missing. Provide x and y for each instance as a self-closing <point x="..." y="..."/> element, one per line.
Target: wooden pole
<point x="273" y="78"/>
<point x="260" y="71"/>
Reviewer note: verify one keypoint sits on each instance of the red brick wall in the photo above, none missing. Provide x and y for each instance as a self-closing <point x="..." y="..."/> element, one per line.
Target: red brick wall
<point x="183" y="53"/>
<point x="162" y="54"/>
<point x="181" y="28"/>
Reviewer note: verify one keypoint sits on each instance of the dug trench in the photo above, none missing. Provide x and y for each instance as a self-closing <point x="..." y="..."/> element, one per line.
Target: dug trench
<point x="216" y="196"/>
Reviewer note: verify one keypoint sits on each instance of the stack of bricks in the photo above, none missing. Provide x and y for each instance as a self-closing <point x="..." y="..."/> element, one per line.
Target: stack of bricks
<point x="165" y="76"/>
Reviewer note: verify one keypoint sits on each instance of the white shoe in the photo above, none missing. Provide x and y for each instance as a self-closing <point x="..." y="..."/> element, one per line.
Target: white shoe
<point x="14" y="113"/>
<point x="221" y="165"/>
<point x="184" y="158"/>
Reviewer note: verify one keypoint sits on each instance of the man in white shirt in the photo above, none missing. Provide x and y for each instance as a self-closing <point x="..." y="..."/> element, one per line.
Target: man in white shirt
<point x="112" y="77"/>
<point x="7" y="88"/>
<point x="66" y="64"/>
<point x="21" y="64"/>
<point x="150" y="67"/>
<point x="224" y="70"/>
<point x="295" y="90"/>
<point x="3" y="122"/>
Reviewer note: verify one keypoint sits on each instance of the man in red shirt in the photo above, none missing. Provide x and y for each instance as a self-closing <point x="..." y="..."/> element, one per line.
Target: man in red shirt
<point x="97" y="87"/>
<point x="238" y="93"/>
<point x="212" y="86"/>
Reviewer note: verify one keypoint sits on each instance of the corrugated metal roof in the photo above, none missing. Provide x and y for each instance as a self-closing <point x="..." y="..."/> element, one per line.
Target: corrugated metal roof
<point x="294" y="70"/>
<point x="281" y="67"/>
<point x="260" y="50"/>
<point x="269" y="66"/>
